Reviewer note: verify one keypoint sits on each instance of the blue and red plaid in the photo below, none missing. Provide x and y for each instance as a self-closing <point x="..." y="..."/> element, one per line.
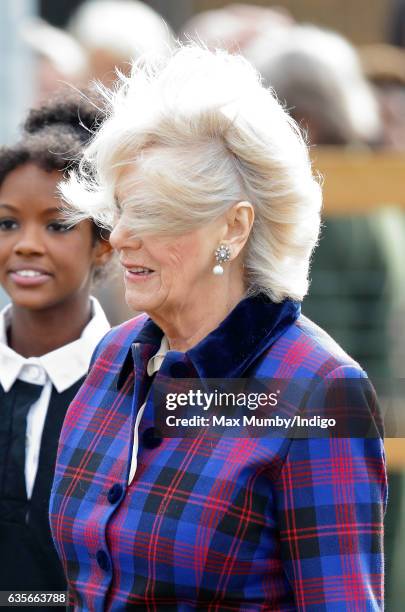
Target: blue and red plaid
<point x="216" y="523"/>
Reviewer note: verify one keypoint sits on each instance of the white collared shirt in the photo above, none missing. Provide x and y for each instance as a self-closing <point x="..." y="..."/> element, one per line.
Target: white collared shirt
<point x="60" y="368"/>
<point x="153" y="366"/>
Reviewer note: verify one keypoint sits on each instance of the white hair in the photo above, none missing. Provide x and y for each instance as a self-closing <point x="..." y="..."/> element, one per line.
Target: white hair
<point x="125" y="28"/>
<point x="199" y="134"/>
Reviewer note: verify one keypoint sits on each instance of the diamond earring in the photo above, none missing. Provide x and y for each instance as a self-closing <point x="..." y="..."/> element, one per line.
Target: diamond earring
<point x="222" y="254"/>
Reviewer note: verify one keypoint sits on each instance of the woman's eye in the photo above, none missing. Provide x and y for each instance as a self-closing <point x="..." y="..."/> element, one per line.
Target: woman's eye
<point x="7" y="225"/>
<point x="59" y="227"/>
<point x="117" y="209"/>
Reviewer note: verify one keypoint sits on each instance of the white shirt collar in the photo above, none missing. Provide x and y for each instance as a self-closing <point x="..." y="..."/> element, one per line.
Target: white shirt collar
<point x="63" y="367"/>
<point x="156" y="361"/>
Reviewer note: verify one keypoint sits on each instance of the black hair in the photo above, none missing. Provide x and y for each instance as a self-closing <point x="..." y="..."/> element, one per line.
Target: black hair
<point x="53" y="137"/>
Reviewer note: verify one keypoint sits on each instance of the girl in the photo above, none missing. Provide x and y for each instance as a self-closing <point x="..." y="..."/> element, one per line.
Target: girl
<point x="47" y="333"/>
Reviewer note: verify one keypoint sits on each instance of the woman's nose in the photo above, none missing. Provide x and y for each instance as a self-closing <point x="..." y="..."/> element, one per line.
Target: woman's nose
<point x="122" y="237"/>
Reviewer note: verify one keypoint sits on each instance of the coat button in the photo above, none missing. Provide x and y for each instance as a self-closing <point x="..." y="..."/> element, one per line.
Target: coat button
<point x="179" y="370"/>
<point x="152" y="438"/>
<point x="103" y="560"/>
<point x="115" y="493"/>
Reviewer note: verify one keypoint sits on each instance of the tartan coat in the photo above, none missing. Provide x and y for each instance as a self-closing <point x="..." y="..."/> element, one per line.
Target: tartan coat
<point x="266" y="523"/>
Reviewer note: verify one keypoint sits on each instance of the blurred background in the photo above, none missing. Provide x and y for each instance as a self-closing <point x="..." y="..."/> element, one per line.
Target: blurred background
<point x="338" y="66"/>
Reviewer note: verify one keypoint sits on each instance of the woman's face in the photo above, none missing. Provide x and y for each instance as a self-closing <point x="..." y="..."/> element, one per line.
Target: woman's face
<point x="165" y="275"/>
<point x="43" y="262"/>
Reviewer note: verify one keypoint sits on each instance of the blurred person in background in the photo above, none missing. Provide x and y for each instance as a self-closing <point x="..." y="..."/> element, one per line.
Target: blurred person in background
<point x="236" y="27"/>
<point x="47" y="334"/>
<point x="396" y="23"/>
<point x="384" y="66"/>
<point x="318" y="76"/>
<point x="60" y="62"/>
<point x="113" y="33"/>
<point x="102" y="36"/>
<point x="357" y="270"/>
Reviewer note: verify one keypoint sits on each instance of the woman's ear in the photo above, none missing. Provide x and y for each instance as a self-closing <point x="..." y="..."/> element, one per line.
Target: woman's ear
<point x="239" y="222"/>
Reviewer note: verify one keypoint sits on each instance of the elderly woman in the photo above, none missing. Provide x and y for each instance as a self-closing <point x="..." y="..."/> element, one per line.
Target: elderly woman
<point x="207" y="184"/>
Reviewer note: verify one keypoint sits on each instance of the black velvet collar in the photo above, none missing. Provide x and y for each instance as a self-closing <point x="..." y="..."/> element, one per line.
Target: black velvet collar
<point x="228" y="351"/>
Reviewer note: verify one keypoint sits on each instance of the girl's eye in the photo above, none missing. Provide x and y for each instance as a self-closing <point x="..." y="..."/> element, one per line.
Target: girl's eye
<point x="59" y="227"/>
<point x="7" y="225"/>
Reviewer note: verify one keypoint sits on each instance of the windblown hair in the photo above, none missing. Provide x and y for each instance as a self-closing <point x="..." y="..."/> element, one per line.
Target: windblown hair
<point x="189" y="139"/>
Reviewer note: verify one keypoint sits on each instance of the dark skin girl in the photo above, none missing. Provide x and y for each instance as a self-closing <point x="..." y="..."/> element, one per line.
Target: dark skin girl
<point x="46" y="266"/>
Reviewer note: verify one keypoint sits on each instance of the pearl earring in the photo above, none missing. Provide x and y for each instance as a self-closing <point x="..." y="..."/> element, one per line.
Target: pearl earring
<point x="222" y="254"/>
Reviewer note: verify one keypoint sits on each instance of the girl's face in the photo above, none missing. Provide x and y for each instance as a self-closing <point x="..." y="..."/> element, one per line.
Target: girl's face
<point x="43" y="263"/>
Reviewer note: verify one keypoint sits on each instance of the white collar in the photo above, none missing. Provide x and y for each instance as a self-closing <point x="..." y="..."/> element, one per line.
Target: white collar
<point x="64" y="366"/>
<point x="156" y="361"/>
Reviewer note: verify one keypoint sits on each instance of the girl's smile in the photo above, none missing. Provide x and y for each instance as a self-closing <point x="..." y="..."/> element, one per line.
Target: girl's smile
<point x="43" y="261"/>
<point x="29" y="277"/>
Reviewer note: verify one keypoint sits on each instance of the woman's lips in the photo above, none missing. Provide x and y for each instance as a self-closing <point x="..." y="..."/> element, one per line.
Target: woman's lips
<point x="29" y="277"/>
<point x="138" y="274"/>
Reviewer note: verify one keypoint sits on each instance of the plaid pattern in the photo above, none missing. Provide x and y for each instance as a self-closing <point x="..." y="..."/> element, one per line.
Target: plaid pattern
<point x="216" y="523"/>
